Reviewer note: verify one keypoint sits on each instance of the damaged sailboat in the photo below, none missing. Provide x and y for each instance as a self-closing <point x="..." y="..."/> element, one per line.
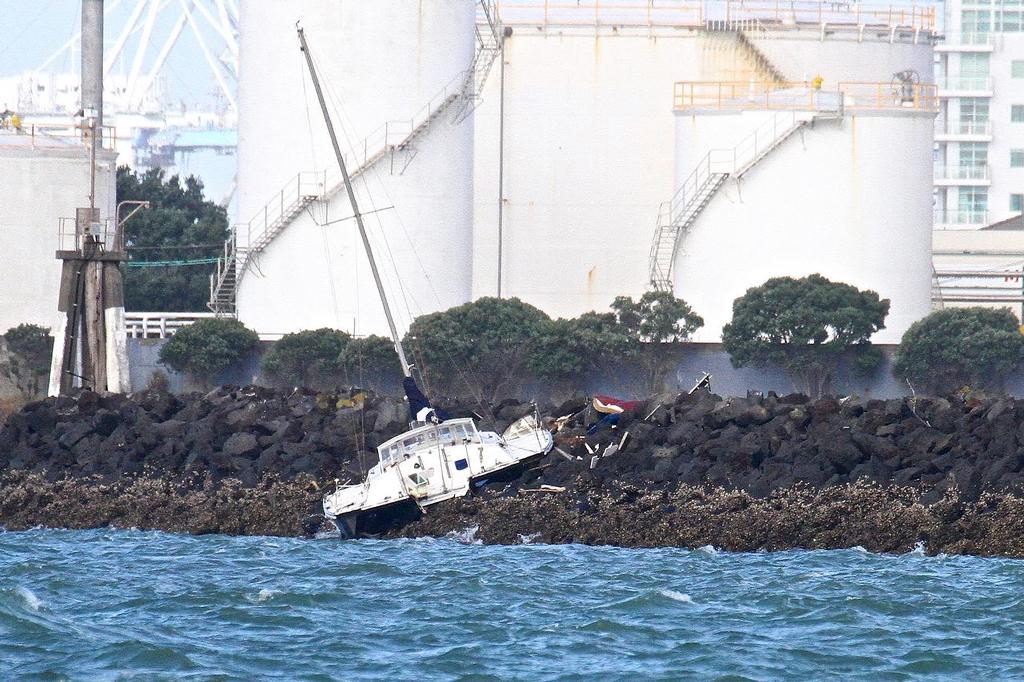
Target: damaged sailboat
<point x="437" y="458"/>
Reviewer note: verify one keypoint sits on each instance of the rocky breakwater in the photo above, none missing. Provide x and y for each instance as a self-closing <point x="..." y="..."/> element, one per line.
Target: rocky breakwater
<point x="770" y="472"/>
<point x="236" y="460"/>
<point x="748" y="473"/>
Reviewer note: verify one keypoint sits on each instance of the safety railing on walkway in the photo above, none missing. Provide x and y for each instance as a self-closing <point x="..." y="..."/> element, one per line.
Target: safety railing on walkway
<point x="978" y="128"/>
<point x="955" y="219"/>
<point x="695" y="13"/>
<point x="743" y="95"/>
<point x="153" y="325"/>
<point x="973" y="172"/>
<point x="53" y="135"/>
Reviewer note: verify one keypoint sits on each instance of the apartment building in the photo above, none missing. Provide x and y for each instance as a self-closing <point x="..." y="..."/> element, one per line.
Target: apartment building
<point x="979" y="132"/>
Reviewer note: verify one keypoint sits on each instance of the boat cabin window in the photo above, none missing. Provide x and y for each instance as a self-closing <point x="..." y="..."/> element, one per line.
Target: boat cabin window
<point x="448" y="434"/>
<point x="524" y="426"/>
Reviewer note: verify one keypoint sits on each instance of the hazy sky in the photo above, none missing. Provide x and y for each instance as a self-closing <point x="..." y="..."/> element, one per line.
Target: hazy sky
<point x="32" y="30"/>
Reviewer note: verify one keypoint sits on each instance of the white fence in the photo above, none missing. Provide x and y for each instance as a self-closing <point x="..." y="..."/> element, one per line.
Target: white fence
<point x="159" y="325"/>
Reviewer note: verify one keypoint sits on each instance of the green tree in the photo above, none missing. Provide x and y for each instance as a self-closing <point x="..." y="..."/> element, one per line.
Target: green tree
<point x="307" y="358"/>
<point x="482" y="347"/>
<point x="31" y="347"/>
<point x="208" y="347"/>
<point x="802" y="325"/>
<point x="655" y="321"/>
<point x="371" y="361"/>
<point x="959" y="347"/>
<point x="179" y="225"/>
<point x="592" y="343"/>
<point x="614" y="343"/>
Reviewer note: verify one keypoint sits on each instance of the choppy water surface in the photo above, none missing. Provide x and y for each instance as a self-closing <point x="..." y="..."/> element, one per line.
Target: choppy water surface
<point x="145" y="605"/>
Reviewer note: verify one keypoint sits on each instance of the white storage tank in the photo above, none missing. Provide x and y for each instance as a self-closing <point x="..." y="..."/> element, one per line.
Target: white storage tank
<point x="587" y="124"/>
<point x="384" y="63"/>
<point x="833" y="181"/>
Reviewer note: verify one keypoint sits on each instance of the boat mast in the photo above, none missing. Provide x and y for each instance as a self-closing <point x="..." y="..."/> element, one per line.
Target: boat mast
<point x="355" y="207"/>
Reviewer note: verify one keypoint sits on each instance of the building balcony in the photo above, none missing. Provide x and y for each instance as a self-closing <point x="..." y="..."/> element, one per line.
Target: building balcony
<point x="963" y="131"/>
<point x="966" y="42"/>
<point x="958" y="220"/>
<point x="965" y="86"/>
<point x="963" y="175"/>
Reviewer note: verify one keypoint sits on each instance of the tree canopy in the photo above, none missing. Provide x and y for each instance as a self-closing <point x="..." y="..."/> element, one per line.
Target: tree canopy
<point x="181" y="224"/>
<point x="657" y="317"/>
<point x="307" y="358"/>
<point x="371" y="361"/>
<point x="802" y="325"/>
<point x="30" y="346"/>
<point x="208" y="347"/>
<point x="482" y="347"/>
<point x="958" y="347"/>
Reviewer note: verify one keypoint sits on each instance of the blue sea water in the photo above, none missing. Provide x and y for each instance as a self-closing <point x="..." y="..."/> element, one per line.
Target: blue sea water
<point x="108" y="604"/>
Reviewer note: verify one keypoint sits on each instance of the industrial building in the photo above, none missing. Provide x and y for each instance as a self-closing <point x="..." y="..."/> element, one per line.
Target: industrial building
<point x="979" y="156"/>
<point x="546" y="173"/>
<point x="46" y="177"/>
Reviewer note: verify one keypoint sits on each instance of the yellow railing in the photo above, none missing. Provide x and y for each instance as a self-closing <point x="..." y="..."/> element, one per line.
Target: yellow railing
<point x="59" y="135"/>
<point x="741" y="95"/>
<point x="873" y="96"/>
<point x="696" y="13"/>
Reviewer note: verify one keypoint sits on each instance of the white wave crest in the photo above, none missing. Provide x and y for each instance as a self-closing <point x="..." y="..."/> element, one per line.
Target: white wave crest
<point x="859" y="548"/>
<point x="266" y="594"/>
<point x="28" y="596"/>
<point x="528" y="538"/>
<point x="707" y="549"/>
<point x="918" y="549"/>
<point x="677" y="596"/>
<point x="466" y="536"/>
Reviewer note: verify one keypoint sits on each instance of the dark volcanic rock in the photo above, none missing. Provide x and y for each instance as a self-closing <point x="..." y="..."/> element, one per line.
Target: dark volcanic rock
<point x="686" y="452"/>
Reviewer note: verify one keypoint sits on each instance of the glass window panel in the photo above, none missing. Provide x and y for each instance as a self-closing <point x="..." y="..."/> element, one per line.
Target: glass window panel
<point x="973" y="154"/>
<point x="1017" y="158"/>
<point x="1017" y="203"/>
<point x="1017" y="69"/>
<point x="973" y="110"/>
<point x="974" y="64"/>
<point x="1017" y="113"/>
<point x="973" y="199"/>
<point x="975" y="21"/>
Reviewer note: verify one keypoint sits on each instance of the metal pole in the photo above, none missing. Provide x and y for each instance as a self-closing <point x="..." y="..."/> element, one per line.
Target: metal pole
<point x="92" y="60"/>
<point x="501" y="158"/>
<point x="355" y="207"/>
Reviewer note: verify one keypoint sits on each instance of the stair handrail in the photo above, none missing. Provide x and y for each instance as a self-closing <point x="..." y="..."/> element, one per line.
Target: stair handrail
<point x="716" y="162"/>
<point x="730" y="160"/>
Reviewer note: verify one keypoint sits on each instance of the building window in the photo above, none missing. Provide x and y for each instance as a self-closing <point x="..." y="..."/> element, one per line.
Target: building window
<point x="973" y="199"/>
<point x="1017" y="69"/>
<point x="1009" y="22"/>
<point x="973" y="154"/>
<point x="1017" y="158"/>
<point x="1017" y="113"/>
<point x="973" y="22"/>
<point x="973" y="110"/>
<point x="1017" y="203"/>
<point x="974" y="65"/>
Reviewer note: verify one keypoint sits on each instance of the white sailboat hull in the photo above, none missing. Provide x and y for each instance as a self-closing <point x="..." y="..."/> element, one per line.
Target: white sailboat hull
<point x="441" y="469"/>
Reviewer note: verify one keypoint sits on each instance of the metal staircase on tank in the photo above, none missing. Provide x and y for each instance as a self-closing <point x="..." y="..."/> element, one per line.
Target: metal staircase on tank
<point x="488" y="47"/>
<point x="745" y="30"/>
<point x="678" y="215"/>
<point x="392" y="140"/>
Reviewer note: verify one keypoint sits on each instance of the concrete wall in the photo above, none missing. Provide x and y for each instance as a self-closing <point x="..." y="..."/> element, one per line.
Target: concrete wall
<point x="693" y="360"/>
